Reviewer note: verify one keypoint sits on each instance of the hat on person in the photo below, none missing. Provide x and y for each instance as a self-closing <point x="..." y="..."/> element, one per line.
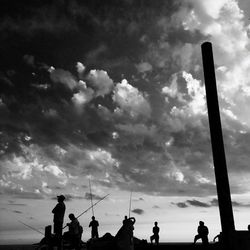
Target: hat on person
<point x="61" y="197"/>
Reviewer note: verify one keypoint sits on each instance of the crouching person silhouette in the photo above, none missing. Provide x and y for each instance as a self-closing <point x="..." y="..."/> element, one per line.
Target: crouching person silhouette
<point x="74" y="234"/>
<point x="155" y="235"/>
<point x="202" y="233"/>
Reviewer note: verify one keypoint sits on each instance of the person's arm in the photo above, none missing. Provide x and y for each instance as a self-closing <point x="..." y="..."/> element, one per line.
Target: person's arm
<point x="55" y="209"/>
<point x="132" y="219"/>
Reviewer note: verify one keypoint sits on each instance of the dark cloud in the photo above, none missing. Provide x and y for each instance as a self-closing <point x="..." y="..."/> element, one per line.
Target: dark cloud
<point x="138" y="211"/>
<point x="181" y="204"/>
<point x="212" y="203"/>
<point x="94" y="196"/>
<point x="17" y="212"/>
<point x="197" y="203"/>
<point x="155" y="206"/>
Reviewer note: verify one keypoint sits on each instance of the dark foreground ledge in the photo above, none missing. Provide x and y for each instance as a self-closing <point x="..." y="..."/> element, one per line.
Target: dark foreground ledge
<point x="178" y="246"/>
<point x="161" y="246"/>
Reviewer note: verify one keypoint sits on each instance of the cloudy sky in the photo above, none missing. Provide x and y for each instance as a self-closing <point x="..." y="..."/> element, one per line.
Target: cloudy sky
<point x="113" y="92"/>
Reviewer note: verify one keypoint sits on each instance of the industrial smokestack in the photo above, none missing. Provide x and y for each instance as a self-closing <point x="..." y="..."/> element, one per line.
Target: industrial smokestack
<point x="220" y="166"/>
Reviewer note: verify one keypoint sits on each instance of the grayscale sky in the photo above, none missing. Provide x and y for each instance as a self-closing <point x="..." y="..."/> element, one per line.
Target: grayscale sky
<point x="113" y="92"/>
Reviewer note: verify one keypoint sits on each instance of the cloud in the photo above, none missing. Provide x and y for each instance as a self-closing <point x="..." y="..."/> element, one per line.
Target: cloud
<point x="81" y="98"/>
<point x="212" y="203"/>
<point x="197" y="203"/>
<point x="64" y="77"/>
<point x="80" y="69"/>
<point x="231" y="50"/>
<point x="59" y="125"/>
<point x="130" y="100"/>
<point x="17" y="212"/>
<point x="100" y="81"/>
<point x="138" y="211"/>
<point x="156" y="207"/>
<point x="70" y="197"/>
<point x="143" y="67"/>
<point x="94" y="196"/>
<point x="181" y="204"/>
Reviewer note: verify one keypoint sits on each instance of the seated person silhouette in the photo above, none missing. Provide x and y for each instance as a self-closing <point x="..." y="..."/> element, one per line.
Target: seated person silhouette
<point x="125" y="238"/>
<point x="155" y="235"/>
<point x="74" y="234"/>
<point x="219" y="237"/>
<point x="202" y="233"/>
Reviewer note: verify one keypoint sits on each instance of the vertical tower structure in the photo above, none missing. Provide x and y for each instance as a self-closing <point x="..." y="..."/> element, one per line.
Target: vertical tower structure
<point x="219" y="159"/>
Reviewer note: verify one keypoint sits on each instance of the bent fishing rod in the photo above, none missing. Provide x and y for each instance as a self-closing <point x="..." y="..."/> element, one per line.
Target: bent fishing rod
<point x="34" y="229"/>
<point x="85" y="211"/>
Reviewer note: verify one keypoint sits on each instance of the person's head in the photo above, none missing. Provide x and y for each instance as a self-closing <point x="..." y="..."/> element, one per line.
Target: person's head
<point x="93" y="217"/>
<point x="156" y="223"/>
<point x="248" y="227"/>
<point x="72" y="216"/>
<point x="201" y="223"/>
<point x="60" y="198"/>
<point x="125" y="217"/>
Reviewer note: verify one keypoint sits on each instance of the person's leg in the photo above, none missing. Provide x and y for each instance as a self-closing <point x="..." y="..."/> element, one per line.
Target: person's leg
<point x="157" y="239"/>
<point x="96" y="234"/>
<point x="58" y="233"/>
<point x="196" y="238"/>
<point x="204" y="240"/>
<point x="151" y="238"/>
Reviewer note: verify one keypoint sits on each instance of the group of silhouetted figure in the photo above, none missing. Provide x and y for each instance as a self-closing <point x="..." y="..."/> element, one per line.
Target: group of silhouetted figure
<point x="75" y="230"/>
<point x="124" y="237"/>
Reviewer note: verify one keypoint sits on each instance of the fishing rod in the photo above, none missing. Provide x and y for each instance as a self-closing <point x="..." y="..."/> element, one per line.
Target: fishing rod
<point x="91" y="198"/>
<point x="34" y="229"/>
<point x="90" y="207"/>
<point x="130" y="204"/>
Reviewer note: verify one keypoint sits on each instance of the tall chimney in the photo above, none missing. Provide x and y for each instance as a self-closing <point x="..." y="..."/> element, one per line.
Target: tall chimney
<point x="220" y="166"/>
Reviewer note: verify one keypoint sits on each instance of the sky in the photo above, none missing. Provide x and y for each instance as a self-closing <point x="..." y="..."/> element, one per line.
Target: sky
<point x="112" y="93"/>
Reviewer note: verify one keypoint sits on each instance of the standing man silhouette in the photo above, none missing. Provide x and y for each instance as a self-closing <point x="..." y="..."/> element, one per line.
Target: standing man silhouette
<point x="59" y="211"/>
<point x="202" y="233"/>
<point x="94" y="224"/>
<point x="155" y="235"/>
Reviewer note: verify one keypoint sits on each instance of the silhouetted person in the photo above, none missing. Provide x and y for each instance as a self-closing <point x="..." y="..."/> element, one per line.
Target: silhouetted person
<point x="59" y="211"/>
<point x="94" y="224"/>
<point x="75" y="232"/>
<point x="219" y="237"/>
<point x="155" y="235"/>
<point x="125" y="235"/>
<point x="202" y="233"/>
